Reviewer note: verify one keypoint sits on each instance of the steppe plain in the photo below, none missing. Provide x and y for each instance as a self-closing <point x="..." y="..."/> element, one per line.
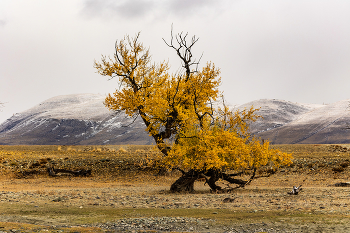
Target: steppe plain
<point x="124" y="193"/>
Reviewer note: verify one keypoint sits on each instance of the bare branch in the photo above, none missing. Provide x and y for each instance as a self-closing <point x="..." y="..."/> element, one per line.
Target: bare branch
<point x="183" y="50"/>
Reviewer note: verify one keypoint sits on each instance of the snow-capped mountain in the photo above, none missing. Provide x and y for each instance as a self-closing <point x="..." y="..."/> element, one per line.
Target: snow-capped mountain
<point x="325" y="124"/>
<point x="275" y="113"/>
<point x="73" y="120"/>
<point x="83" y="119"/>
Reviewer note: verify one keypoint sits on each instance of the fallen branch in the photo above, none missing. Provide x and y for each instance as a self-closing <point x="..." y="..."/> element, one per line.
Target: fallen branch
<point x="295" y="190"/>
<point x="54" y="172"/>
<point x="342" y="184"/>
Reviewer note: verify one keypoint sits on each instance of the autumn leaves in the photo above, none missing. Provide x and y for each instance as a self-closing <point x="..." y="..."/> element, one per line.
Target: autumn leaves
<point x="181" y="110"/>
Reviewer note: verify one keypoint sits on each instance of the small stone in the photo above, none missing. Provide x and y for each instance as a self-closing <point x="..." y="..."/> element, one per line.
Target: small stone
<point x="229" y="200"/>
<point x="58" y="199"/>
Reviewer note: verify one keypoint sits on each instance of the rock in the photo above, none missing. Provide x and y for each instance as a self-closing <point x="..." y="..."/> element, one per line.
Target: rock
<point x="58" y="199"/>
<point x="228" y="200"/>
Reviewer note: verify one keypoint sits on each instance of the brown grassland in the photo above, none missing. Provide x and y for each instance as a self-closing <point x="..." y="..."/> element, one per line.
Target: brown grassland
<point x="124" y="184"/>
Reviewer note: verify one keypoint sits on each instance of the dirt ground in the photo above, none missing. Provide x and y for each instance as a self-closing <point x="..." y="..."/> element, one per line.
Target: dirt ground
<point x="136" y="201"/>
<point x="263" y="204"/>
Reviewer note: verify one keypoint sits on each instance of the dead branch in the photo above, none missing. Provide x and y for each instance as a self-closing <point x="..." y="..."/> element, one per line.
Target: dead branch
<point x="183" y="50"/>
<point x="342" y="184"/>
<point x="295" y="190"/>
<point x="54" y="172"/>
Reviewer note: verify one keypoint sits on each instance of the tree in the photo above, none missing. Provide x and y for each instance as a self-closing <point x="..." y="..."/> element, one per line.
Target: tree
<point x="181" y="112"/>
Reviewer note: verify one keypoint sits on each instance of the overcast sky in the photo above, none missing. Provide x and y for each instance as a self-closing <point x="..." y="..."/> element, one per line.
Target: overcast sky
<point x="291" y="50"/>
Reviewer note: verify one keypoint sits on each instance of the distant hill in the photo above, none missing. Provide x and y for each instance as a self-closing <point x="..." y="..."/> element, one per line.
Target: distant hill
<point x="82" y="119"/>
<point x="327" y="124"/>
<point x="275" y="113"/>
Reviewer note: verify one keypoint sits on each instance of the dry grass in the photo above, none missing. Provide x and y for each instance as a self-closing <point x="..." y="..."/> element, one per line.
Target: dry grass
<point x="317" y="151"/>
<point x="126" y="162"/>
<point x="120" y="167"/>
<point x="104" y="161"/>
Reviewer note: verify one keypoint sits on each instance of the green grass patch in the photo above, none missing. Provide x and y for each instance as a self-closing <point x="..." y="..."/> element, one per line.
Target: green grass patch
<point x="56" y="214"/>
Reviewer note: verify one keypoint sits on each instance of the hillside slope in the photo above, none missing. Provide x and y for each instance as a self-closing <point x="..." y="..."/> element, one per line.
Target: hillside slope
<point x="323" y="125"/>
<point x="72" y="120"/>
<point x="275" y="113"/>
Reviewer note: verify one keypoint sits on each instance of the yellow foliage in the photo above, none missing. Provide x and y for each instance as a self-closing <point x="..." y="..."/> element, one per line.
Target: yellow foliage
<point x="162" y="100"/>
<point x="224" y="145"/>
<point x="180" y="107"/>
<point x="122" y="150"/>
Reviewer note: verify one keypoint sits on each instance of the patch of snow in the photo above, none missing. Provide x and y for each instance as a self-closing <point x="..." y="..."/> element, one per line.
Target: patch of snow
<point x="79" y="106"/>
<point x="79" y="135"/>
<point x="54" y="128"/>
<point x="327" y="113"/>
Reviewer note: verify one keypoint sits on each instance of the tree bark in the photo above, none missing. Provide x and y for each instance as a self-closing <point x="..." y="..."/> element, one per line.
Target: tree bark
<point x="214" y="176"/>
<point x="185" y="183"/>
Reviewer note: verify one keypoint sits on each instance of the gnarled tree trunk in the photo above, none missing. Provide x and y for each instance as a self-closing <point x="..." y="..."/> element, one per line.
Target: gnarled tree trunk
<point x="186" y="182"/>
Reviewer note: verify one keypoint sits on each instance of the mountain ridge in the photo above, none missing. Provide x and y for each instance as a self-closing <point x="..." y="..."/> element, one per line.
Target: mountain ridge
<point x="72" y="119"/>
<point x="82" y="119"/>
<point x="322" y="125"/>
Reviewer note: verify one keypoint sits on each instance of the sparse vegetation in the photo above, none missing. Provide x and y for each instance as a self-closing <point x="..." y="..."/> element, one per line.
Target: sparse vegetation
<point x="123" y="186"/>
<point x="103" y="161"/>
<point x="115" y="161"/>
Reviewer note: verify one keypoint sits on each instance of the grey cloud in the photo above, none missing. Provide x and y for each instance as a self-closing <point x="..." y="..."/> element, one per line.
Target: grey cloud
<point x="136" y="8"/>
<point x="187" y="8"/>
<point x="109" y="8"/>
<point x="155" y="9"/>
